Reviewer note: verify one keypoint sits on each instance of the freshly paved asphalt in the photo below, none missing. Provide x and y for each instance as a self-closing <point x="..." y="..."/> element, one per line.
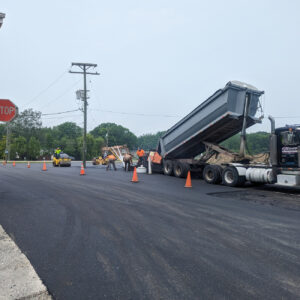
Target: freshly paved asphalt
<point x="100" y="236"/>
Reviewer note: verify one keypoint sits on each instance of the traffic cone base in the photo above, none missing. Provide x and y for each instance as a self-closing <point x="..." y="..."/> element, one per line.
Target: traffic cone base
<point x="82" y="172"/>
<point x="44" y="166"/>
<point x="134" y="176"/>
<point x="188" y="183"/>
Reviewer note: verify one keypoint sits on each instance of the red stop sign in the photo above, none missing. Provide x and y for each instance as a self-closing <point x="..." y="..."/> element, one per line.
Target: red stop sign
<point x="8" y="110"/>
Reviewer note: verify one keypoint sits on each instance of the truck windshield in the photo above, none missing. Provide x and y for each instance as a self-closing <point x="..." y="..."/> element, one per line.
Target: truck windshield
<point x="290" y="138"/>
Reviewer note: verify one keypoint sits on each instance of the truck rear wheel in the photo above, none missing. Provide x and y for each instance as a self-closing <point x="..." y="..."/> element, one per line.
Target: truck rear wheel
<point x="168" y="167"/>
<point x="212" y="174"/>
<point x="230" y="177"/>
<point x="180" y="169"/>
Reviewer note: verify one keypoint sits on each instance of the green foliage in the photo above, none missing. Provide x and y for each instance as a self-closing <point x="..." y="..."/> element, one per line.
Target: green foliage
<point x="33" y="148"/>
<point x="233" y="143"/>
<point x="20" y="146"/>
<point x="49" y="141"/>
<point x="98" y="144"/>
<point x="257" y="142"/>
<point x="115" y="134"/>
<point x="27" y="124"/>
<point x="67" y="129"/>
<point x="94" y="145"/>
<point x="2" y="146"/>
<point x="149" y="141"/>
<point x="2" y="130"/>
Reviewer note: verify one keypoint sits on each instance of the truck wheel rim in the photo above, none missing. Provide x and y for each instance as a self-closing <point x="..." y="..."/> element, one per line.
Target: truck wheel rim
<point x="210" y="175"/>
<point x="229" y="178"/>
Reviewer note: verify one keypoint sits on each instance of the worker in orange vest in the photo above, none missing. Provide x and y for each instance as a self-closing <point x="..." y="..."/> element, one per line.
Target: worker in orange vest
<point x="140" y="153"/>
<point x="111" y="161"/>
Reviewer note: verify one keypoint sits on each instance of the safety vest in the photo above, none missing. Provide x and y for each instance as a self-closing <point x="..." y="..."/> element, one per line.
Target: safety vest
<point x="140" y="153"/>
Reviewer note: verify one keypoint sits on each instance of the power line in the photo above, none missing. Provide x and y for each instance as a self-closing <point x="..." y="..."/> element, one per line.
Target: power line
<point x="291" y="117"/>
<point x="139" y="114"/>
<point x="48" y="118"/>
<point x="48" y="87"/>
<point x="64" y="93"/>
<point x="62" y="112"/>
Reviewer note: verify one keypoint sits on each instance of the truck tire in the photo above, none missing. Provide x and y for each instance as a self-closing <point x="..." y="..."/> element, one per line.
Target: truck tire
<point x="212" y="174"/>
<point x="180" y="169"/>
<point x="230" y="177"/>
<point x="168" y="167"/>
<point x="157" y="168"/>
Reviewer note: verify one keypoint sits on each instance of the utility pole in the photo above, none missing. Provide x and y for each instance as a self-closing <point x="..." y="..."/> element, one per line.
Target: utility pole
<point x="2" y="16"/>
<point x="7" y="148"/>
<point x="84" y="67"/>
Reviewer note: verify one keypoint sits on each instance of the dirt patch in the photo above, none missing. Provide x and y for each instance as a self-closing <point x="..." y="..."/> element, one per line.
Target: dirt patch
<point x="279" y="198"/>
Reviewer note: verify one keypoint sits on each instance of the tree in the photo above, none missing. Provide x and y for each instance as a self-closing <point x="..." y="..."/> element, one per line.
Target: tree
<point x="20" y="146"/>
<point x="149" y="141"/>
<point x="33" y="148"/>
<point x="2" y="129"/>
<point x="257" y="142"/>
<point x="49" y="142"/>
<point x="68" y="129"/>
<point x="233" y="143"/>
<point x="115" y="134"/>
<point x="69" y="146"/>
<point x="94" y="145"/>
<point x="27" y="124"/>
<point x="98" y="144"/>
<point x="2" y="146"/>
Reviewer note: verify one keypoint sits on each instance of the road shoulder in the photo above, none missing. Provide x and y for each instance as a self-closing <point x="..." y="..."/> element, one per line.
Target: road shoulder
<point x="18" y="278"/>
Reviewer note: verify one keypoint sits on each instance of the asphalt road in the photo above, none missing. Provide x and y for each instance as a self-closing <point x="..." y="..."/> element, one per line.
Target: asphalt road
<point x="100" y="236"/>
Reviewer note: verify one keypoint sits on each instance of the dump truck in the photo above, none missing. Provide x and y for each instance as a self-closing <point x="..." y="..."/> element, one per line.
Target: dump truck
<point x="190" y="144"/>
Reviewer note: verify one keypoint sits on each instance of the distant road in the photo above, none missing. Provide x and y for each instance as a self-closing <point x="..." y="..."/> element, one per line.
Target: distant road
<point x="100" y="236"/>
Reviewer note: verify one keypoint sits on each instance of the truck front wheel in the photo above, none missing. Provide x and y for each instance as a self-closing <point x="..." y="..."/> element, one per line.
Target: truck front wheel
<point x="168" y="167"/>
<point x="212" y="174"/>
<point x="230" y="177"/>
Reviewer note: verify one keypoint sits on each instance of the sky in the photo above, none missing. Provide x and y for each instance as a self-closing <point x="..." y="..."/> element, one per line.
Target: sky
<point x="157" y="59"/>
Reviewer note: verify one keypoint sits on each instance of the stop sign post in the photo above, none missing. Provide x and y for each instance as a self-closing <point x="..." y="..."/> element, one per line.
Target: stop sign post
<point x="8" y="110"/>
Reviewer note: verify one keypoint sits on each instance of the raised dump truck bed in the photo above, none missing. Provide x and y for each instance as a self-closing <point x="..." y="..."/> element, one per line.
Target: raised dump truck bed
<point x="215" y="120"/>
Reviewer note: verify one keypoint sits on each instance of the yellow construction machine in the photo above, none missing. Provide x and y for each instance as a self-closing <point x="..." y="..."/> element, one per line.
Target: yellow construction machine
<point x="117" y="151"/>
<point x="99" y="161"/>
<point x="63" y="160"/>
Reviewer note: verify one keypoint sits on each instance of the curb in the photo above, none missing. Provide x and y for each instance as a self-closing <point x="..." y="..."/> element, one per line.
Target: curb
<point x="18" y="278"/>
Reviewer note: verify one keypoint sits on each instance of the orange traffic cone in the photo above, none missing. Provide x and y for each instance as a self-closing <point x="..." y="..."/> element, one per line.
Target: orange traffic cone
<point x="14" y="163"/>
<point x="188" y="183"/>
<point x="28" y="165"/>
<point x="134" y="176"/>
<point x="82" y="172"/>
<point x="4" y="163"/>
<point x="44" y="166"/>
